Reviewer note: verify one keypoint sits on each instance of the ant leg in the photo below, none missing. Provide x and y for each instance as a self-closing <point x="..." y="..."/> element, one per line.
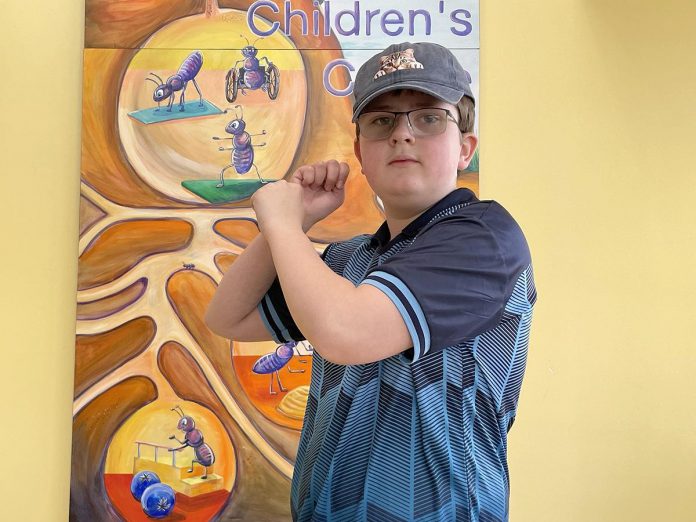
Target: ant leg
<point x="259" y="175"/>
<point x="280" y="384"/>
<point x="205" y="475"/>
<point x="296" y="371"/>
<point x="270" y="386"/>
<point x="181" y="98"/>
<point x="222" y="172"/>
<point x="171" y="102"/>
<point x="200" y="94"/>
<point x="302" y="361"/>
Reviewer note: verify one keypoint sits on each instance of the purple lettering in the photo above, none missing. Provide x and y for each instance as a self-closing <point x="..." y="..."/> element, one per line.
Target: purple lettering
<point x="289" y="13"/>
<point x="327" y="18"/>
<point x="250" y="17"/>
<point x="369" y="15"/>
<point x="355" y="15"/>
<point x="315" y="19"/>
<point x="398" y="20"/>
<point x="327" y="72"/>
<point x="411" y="18"/>
<point x="467" y="25"/>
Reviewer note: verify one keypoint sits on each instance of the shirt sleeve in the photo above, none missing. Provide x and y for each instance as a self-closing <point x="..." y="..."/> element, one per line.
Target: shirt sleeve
<point x="449" y="285"/>
<point x="276" y="315"/>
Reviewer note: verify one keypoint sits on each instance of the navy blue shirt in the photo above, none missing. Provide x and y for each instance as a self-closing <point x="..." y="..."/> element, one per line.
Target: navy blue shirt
<point x="421" y="435"/>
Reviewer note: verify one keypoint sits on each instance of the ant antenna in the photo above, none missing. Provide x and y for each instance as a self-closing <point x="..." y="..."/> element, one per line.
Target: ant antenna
<point x="182" y="411"/>
<point x="256" y="41"/>
<point x="153" y="81"/>
<point x="242" y="110"/>
<point x="245" y="39"/>
<point x="160" y="79"/>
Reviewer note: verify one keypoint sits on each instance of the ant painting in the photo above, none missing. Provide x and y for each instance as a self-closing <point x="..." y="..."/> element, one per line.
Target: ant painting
<point x="272" y="363"/>
<point x="165" y="91"/>
<point x="187" y="72"/>
<point x="193" y="438"/>
<point x="252" y="75"/>
<point x="242" y="150"/>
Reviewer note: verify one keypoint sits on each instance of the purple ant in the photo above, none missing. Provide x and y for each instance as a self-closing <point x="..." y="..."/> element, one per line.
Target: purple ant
<point x="242" y="150"/>
<point x="272" y="362"/>
<point x="252" y="75"/>
<point x="187" y="72"/>
<point x="193" y="438"/>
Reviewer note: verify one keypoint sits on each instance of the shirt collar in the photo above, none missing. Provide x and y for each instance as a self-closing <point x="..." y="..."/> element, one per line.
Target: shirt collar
<point x="381" y="238"/>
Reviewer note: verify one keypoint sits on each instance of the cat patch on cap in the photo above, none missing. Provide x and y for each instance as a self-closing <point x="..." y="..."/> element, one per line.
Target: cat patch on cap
<point x="396" y="61"/>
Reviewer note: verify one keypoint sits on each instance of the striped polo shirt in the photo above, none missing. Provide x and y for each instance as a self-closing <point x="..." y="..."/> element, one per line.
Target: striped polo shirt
<point x="420" y="436"/>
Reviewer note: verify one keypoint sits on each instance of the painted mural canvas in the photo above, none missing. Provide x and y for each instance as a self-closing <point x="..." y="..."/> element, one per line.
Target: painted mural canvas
<point x="188" y="108"/>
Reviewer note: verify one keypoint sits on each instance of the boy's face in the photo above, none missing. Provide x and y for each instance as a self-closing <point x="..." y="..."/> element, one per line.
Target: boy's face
<point x="409" y="172"/>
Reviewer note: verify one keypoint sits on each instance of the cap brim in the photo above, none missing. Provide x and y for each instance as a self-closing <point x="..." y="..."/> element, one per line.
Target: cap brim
<point x="441" y="92"/>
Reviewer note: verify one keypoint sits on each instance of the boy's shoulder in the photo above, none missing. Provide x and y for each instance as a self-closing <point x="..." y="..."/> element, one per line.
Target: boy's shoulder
<point x="484" y="226"/>
<point x="464" y="211"/>
<point x="450" y="224"/>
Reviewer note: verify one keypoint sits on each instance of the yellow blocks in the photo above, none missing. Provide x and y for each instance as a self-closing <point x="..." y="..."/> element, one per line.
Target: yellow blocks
<point x="178" y="477"/>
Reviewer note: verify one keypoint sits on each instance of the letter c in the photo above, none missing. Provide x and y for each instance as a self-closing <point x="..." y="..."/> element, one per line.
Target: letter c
<point x="250" y="18"/>
<point x="327" y="71"/>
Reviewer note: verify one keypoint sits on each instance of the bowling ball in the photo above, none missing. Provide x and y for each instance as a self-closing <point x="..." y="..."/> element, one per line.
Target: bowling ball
<point x="141" y="481"/>
<point x="158" y="500"/>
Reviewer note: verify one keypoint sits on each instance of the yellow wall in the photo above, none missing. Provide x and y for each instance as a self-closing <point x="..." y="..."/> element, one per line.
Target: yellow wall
<point x="589" y="134"/>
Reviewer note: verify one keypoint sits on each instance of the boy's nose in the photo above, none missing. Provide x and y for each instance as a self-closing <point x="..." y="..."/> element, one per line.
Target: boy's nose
<point x="402" y="130"/>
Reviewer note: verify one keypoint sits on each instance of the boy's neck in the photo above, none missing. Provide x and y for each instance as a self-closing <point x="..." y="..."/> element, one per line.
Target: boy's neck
<point x="399" y="218"/>
<point x="396" y="225"/>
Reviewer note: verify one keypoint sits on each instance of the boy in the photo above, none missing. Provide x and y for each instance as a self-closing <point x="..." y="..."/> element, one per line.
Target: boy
<point x="420" y="330"/>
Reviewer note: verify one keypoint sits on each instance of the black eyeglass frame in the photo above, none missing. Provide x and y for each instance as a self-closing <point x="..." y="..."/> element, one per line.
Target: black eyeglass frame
<point x="408" y="120"/>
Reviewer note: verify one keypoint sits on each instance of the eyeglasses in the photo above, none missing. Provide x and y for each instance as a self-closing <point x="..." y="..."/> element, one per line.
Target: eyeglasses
<point x="430" y="121"/>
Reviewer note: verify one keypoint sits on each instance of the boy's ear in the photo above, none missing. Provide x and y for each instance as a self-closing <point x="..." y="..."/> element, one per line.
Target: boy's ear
<point x="469" y="143"/>
<point x="356" y="150"/>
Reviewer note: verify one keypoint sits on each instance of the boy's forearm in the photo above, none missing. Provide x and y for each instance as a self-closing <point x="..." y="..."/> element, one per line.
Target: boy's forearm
<point x="242" y="287"/>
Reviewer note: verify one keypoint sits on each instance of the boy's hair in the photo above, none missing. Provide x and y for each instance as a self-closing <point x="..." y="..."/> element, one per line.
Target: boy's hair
<point x="467" y="114"/>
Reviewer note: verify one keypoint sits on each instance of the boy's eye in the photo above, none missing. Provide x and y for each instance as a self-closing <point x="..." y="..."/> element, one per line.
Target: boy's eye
<point x="381" y="120"/>
<point x="427" y="118"/>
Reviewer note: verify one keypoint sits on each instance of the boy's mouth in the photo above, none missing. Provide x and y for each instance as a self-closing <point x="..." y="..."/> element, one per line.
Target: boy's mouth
<point x="402" y="160"/>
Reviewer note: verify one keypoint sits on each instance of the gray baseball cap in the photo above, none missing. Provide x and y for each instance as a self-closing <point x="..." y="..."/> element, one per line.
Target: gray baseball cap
<point x="426" y="67"/>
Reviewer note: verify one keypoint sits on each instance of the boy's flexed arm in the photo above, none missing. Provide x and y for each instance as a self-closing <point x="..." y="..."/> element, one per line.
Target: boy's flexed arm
<point x="345" y="324"/>
<point x="232" y="312"/>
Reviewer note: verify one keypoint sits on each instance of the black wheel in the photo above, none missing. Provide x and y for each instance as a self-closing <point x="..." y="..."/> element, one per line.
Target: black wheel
<point x="231" y="85"/>
<point x="272" y="81"/>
